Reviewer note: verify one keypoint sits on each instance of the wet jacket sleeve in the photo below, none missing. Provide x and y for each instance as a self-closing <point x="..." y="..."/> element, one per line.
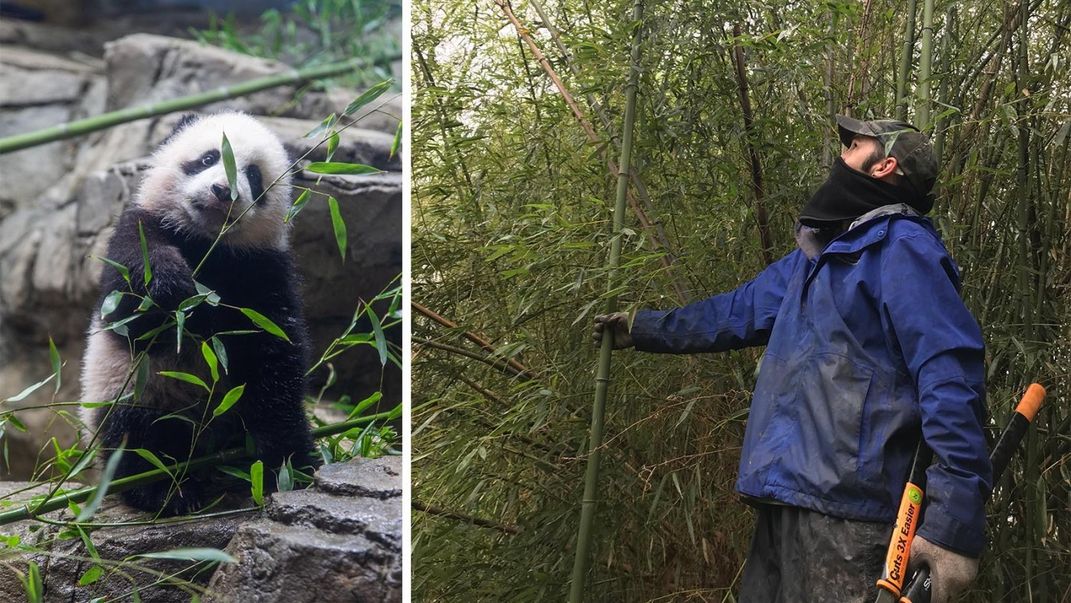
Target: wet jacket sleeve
<point x="943" y="350"/>
<point x="737" y="319"/>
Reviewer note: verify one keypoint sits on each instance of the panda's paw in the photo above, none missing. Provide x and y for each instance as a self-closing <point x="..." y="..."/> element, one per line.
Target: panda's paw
<point x="165" y="499"/>
<point x="185" y="500"/>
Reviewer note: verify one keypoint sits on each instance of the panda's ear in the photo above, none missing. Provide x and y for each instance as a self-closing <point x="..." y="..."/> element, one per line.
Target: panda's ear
<point x="186" y="120"/>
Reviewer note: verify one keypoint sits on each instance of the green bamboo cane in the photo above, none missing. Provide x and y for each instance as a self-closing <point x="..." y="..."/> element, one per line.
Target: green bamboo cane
<point x="602" y="379"/>
<point x="29" y="511"/>
<point x="945" y="87"/>
<point x="114" y="118"/>
<point x="922" y="115"/>
<point x="906" y="55"/>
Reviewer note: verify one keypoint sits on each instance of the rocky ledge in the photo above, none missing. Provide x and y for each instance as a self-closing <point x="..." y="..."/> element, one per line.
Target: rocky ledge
<point x="338" y="540"/>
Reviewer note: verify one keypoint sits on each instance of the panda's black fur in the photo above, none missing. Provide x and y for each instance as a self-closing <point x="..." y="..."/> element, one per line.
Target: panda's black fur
<point x="251" y="267"/>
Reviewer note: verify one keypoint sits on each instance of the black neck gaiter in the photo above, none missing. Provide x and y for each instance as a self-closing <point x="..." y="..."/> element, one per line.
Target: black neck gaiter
<point x="848" y="194"/>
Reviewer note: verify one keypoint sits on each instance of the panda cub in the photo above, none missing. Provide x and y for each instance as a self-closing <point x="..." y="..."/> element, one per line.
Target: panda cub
<point x="182" y="205"/>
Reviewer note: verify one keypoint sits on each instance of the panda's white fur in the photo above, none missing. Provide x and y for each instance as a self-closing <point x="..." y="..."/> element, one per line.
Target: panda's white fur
<point x="170" y="193"/>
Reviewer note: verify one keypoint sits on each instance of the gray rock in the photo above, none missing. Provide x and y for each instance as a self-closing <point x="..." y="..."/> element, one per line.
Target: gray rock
<point x="41" y="90"/>
<point x="367" y="480"/>
<point x="321" y="544"/>
<point x="122" y="534"/>
<point x="318" y="546"/>
<point x="68" y="560"/>
<point x="145" y="68"/>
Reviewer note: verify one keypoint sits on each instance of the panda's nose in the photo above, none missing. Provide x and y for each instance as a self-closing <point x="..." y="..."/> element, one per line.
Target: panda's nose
<point x="223" y="193"/>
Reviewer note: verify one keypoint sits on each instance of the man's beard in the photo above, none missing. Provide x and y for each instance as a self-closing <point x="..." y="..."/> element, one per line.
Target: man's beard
<point x="848" y="194"/>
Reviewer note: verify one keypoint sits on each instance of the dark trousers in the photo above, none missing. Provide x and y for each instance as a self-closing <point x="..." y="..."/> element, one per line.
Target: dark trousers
<point x="799" y="556"/>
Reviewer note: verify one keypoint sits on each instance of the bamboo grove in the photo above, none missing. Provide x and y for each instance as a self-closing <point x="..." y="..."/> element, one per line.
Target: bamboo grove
<point x="512" y="196"/>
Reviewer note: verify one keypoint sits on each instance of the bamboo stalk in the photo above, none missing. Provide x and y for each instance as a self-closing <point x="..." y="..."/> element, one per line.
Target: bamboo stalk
<point x="922" y="114"/>
<point x="639" y="189"/>
<point x="752" y="152"/>
<point x="473" y="337"/>
<point x="497" y="363"/>
<point x="906" y="54"/>
<point x="862" y="62"/>
<point x="657" y="237"/>
<point x="945" y="94"/>
<point x="114" y="118"/>
<point x="476" y="521"/>
<point x="602" y="378"/>
<point x="831" y="106"/>
<point x="147" y="477"/>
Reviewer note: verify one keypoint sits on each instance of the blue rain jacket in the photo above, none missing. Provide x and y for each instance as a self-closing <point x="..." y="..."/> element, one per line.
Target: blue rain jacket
<point x="866" y="344"/>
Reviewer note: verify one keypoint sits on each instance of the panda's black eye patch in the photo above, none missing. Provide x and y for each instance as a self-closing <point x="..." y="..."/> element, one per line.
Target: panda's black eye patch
<point x="205" y="161"/>
<point x="256" y="183"/>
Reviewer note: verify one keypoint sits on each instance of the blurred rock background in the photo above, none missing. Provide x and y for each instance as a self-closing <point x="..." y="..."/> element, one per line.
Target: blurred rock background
<point x="61" y="61"/>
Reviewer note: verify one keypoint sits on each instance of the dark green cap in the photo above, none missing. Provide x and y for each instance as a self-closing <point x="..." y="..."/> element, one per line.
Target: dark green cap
<point x="911" y="148"/>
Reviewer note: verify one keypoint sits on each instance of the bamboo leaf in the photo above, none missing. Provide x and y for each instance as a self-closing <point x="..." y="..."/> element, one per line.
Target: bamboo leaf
<point x="285" y="481"/>
<point x="229" y="166"/>
<point x="325" y="125"/>
<point x="34" y="589"/>
<point x="180" y="324"/>
<point x="397" y="142"/>
<point x="90" y="509"/>
<point x="110" y="303"/>
<point x="188" y="378"/>
<point x="56" y="362"/>
<point x="90" y="547"/>
<point x="233" y="472"/>
<point x="29" y="390"/>
<point x="210" y="296"/>
<point x="221" y="352"/>
<point x="339" y="226"/>
<point x="256" y="480"/>
<point x="265" y="323"/>
<point x="123" y="270"/>
<point x="364" y="404"/>
<point x="192" y="302"/>
<point x="381" y="338"/>
<point x="345" y="169"/>
<point x="211" y="360"/>
<point x="299" y="203"/>
<point x="332" y="145"/>
<point x="191" y="554"/>
<point x="229" y="400"/>
<point x="154" y="460"/>
<point x="91" y="575"/>
<point x="368" y="96"/>
<point x="146" y="275"/>
<point x="84" y="461"/>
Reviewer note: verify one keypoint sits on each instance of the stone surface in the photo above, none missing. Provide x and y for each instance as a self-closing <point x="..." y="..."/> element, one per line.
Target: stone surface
<point x="368" y="480"/>
<point x="339" y="540"/>
<point x="62" y="559"/>
<point x="320" y="546"/>
<point x="145" y="68"/>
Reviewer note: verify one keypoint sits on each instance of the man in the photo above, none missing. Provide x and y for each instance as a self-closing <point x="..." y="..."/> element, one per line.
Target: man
<point x="869" y="348"/>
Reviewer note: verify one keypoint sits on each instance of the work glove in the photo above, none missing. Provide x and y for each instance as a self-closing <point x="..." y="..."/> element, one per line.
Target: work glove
<point x="618" y="322"/>
<point x="950" y="573"/>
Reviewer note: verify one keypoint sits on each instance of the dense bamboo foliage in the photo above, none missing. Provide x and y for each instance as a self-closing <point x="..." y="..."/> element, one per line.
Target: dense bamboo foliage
<point x="511" y="227"/>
